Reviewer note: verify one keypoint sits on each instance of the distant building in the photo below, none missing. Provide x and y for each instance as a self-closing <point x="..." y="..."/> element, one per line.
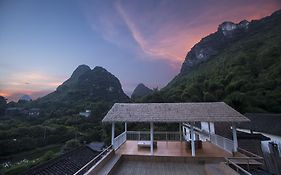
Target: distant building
<point x="34" y="112"/>
<point x="13" y="111"/>
<point x="87" y="113"/>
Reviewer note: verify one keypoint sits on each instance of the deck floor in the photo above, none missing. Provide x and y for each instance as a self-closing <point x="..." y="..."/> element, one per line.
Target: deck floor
<point x="172" y="148"/>
<point x="158" y="168"/>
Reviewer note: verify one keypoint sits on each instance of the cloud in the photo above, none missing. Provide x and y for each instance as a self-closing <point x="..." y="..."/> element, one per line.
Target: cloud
<point x="158" y="49"/>
<point x="34" y="84"/>
<point x="166" y="30"/>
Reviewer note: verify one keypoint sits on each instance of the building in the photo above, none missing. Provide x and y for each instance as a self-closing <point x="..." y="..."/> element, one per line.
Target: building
<point x="67" y="164"/>
<point x="87" y="113"/>
<point x="14" y="111"/>
<point x="34" y="112"/>
<point x="195" y="148"/>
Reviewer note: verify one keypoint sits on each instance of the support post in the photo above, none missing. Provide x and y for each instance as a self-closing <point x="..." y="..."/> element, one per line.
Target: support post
<point x="235" y="142"/>
<point x="125" y="130"/>
<point x="192" y="141"/>
<point x="209" y="128"/>
<point x="112" y="134"/>
<point x="180" y="131"/>
<point x="151" y="138"/>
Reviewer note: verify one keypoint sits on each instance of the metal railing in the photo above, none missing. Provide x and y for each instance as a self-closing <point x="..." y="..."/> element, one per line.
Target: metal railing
<point x="236" y="167"/>
<point x="249" y="154"/>
<point x="119" y="140"/>
<point x="92" y="162"/>
<point x="222" y="142"/>
<point x="157" y="135"/>
<point x="250" y="157"/>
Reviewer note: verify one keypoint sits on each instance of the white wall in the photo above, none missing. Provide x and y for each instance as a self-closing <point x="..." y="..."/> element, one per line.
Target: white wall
<point x="205" y="127"/>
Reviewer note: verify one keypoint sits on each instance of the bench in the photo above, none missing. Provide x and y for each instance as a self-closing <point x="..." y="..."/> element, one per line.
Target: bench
<point x="146" y="144"/>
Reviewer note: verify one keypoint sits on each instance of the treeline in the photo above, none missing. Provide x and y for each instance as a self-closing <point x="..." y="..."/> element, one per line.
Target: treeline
<point x="18" y="134"/>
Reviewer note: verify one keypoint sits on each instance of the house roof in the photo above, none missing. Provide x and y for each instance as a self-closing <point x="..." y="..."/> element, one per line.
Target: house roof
<point x="173" y="112"/>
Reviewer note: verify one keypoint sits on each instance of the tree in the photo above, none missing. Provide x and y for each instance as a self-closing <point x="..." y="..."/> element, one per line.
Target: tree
<point x="71" y="145"/>
<point x="3" y="105"/>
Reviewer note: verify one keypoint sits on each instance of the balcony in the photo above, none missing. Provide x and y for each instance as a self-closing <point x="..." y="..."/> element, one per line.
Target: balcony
<point x="189" y="150"/>
<point x="168" y="144"/>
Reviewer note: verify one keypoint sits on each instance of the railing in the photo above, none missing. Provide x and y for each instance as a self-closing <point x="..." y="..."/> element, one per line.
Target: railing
<point x="202" y="134"/>
<point x="119" y="140"/>
<point x="248" y="159"/>
<point x="249" y="154"/>
<point x="222" y="142"/>
<point x="157" y="135"/>
<point x="236" y="167"/>
<point x="92" y="162"/>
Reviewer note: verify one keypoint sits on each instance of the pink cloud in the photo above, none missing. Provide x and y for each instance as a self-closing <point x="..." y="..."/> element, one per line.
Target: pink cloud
<point x="173" y="39"/>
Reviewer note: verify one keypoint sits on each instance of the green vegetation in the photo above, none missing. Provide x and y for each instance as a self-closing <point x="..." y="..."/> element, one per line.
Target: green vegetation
<point x="3" y="105"/>
<point x="20" y="162"/>
<point x="25" y="142"/>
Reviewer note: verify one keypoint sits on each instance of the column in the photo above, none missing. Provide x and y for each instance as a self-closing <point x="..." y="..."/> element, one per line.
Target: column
<point x="151" y="138"/>
<point x="125" y="126"/>
<point x="192" y="140"/>
<point x="180" y="131"/>
<point x="209" y="128"/>
<point x="112" y="134"/>
<point x="235" y="142"/>
<point x="125" y="130"/>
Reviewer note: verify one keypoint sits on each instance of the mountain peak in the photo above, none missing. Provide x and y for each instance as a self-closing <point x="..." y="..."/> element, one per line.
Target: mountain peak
<point x="228" y="32"/>
<point x="100" y="69"/>
<point x="140" y="91"/>
<point x="81" y="69"/>
<point x="228" y="27"/>
<point x="25" y="98"/>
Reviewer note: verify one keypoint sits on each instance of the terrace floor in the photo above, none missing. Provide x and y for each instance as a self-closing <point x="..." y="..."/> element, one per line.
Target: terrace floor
<point x="172" y="148"/>
<point x="137" y="167"/>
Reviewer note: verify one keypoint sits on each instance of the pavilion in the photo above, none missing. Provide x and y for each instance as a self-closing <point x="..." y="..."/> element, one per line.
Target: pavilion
<point x="208" y="112"/>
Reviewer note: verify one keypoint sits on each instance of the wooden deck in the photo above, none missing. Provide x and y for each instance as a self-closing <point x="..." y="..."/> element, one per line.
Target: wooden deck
<point x="158" y="168"/>
<point x="172" y="148"/>
<point x="169" y="158"/>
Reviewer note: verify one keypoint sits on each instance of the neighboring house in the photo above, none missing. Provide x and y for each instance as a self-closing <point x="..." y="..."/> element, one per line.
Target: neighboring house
<point x="34" y="112"/>
<point x="68" y="163"/>
<point x="87" y="113"/>
<point x="96" y="146"/>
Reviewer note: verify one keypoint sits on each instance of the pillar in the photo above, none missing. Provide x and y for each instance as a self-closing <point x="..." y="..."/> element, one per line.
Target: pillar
<point x="235" y="142"/>
<point x="192" y="141"/>
<point x="180" y="131"/>
<point x="209" y="128"/>
<point x="125" y="130"/>
<point x="151" y="138"/>
<point x="112" y="133"/>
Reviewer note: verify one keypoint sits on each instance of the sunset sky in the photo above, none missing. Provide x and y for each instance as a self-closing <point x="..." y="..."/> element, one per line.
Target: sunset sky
<point x="42" y="42"/>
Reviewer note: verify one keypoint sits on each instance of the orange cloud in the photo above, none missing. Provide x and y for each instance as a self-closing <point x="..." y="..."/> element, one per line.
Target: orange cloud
<point x="4" y="94"/>
<point x="34" y="84"/>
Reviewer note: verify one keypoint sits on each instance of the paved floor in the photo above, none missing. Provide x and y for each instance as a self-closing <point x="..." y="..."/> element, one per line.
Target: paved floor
<point x="130" y="167"/>
<point x="172" y="148"/>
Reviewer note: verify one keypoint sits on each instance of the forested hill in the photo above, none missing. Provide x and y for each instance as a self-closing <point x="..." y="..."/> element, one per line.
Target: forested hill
<point x="239" y="64"/>
<point x="83" y="90"/>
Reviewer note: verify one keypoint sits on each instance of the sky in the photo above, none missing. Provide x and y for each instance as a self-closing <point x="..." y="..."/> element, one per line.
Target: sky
<point x="139" y="41"/>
